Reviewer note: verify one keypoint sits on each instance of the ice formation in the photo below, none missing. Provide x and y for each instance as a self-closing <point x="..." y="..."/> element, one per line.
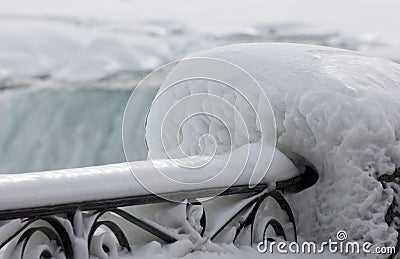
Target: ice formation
<point x="97" y="39"/>
<point x="116" y="180"/>
<point x="334" y="109"/>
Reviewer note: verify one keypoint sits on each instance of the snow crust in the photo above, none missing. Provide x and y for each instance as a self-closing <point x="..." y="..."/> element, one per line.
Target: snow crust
<point x="116" y="180"/>
<point x="95" y="39"/>
<point x="334" y="109"/>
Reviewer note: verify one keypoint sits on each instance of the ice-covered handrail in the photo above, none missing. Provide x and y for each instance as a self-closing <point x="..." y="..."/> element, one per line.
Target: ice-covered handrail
<point x="68" y="205"/>
<point x="18" y="191"/>
<point x="72" y="193"/>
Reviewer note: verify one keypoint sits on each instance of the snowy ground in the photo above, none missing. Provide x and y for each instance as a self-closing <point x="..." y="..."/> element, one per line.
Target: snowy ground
<point x="88" y="40"/>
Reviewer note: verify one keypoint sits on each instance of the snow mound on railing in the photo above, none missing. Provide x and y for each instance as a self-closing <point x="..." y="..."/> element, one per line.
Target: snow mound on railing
<point x="340" y="112"/>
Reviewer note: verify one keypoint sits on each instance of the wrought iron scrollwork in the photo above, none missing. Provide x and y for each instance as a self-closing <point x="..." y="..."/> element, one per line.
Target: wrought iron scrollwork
<point x="250" y="211"/>
<point x="53" y="229"/>
<point x="77" y="235"/>
<point x="202" y="224"/>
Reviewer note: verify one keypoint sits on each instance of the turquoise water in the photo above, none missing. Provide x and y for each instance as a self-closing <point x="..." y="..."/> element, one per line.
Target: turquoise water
<point x="55" y="127"/>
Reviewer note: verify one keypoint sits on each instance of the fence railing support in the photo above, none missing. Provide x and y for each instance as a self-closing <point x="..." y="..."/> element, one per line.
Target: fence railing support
<point x="72" y="228"/>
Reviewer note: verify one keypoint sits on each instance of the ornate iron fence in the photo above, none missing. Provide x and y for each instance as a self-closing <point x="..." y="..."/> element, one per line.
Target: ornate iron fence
<point x="71" y="229"/>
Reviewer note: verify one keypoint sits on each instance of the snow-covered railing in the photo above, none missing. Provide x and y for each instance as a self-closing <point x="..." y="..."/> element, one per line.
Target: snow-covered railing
<point x="335" y="109"/>
<point x="69" y="207"/>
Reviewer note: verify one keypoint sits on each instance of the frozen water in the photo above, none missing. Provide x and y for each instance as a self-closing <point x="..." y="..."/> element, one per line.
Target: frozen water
<point x="91" y="40"/>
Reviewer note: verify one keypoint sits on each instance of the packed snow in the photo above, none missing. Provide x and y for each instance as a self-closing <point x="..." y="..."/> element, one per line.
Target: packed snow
<point x="89" y="40"/>
<point x="337" y="110"/>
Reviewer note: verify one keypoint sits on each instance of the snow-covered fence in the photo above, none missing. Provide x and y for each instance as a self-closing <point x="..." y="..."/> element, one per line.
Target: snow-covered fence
<point x="334" y="109"/>
<point x="49" y="214"/>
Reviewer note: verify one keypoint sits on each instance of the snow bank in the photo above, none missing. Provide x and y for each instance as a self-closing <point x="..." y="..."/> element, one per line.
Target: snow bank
<point x="335" y="109"/>
<point x="95" y="39"/>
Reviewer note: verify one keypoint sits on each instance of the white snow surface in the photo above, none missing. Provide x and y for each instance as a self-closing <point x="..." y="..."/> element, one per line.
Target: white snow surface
<point x="93" y="39"/>
<point x="335" y="109"/>
<point x="116" y="180"/>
